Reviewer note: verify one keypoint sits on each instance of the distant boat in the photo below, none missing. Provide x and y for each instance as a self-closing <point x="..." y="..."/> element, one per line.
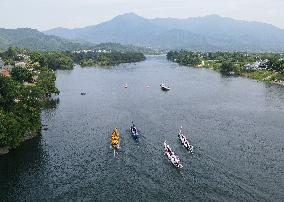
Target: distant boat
<point x="126" y="86"/>
<point x="83" y="93"/>
<point x="164" y="87"/>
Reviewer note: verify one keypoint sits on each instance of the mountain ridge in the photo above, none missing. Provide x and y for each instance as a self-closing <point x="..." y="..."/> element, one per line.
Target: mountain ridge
<point x="34" y="40"/>
<point x="213" y="33"/>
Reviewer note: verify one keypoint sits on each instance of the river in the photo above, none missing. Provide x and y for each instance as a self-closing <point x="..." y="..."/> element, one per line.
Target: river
<point x="235" y="124"/>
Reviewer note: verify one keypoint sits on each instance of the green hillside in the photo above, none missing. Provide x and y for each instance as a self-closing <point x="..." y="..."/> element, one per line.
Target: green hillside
<point x="34" y="40"/>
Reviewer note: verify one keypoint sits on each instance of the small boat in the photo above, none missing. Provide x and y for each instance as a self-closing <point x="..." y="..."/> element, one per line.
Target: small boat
<point x="164" y="87"/>
<point x="134" y="132"/>
<point x="115" y="139"/>
<point x="184" y="141"/>
<point x="126" y="86"/>
<point x="83" y="93"/>
<point x="172" y="156"/>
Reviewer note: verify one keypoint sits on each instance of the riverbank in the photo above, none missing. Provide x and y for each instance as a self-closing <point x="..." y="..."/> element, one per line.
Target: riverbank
<point x="263" y="67"/>
<point x="23" y="96"/>
<point x="6" y="149"/>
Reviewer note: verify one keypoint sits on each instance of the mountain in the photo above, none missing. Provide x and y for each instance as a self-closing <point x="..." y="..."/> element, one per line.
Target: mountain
<point x="34" y="40"/>
<point x="209" y="33"/>
<point x="126" y="29"/>
<point x="227" y="32"/>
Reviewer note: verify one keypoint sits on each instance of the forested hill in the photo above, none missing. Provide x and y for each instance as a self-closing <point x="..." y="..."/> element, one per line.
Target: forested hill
<point x="34" y="40"/>
<point x="209" y="33"/>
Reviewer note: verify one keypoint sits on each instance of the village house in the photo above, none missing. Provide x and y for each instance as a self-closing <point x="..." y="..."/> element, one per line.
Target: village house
<point x="5" y="72"/>
<point x="258" y="65"/>
<point x="8" y="67"/>
<point x="21" y="64"/>
<point x="23" y="57"/>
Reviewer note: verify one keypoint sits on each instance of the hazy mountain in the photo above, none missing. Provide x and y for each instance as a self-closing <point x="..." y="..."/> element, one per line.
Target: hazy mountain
<point x="34" y="40"/>
<point x="126" y="29"/>
<point x="202" y="33"/>
<point x="227" y="32"/>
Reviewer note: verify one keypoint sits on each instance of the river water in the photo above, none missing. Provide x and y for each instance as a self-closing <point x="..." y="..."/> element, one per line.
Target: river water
<point x="235" y="124"/>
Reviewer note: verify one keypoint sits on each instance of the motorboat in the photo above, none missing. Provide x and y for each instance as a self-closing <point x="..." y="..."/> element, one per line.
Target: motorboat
<point x="164" y="87"/>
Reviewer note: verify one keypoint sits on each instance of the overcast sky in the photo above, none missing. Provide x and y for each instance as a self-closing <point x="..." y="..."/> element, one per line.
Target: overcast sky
<point x="46" y="14"/>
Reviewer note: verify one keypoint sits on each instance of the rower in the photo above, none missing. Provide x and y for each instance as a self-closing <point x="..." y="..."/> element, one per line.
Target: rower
<point x="134" y="129"/>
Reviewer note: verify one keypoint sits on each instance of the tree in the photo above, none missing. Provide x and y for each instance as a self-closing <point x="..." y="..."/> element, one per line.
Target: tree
<point x="37" y="57"/>
<point x="21" y="74"/>
<point x="227" y="68"/>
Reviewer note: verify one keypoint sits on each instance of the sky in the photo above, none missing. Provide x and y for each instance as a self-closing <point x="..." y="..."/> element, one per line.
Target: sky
<point x="47" y="14"/>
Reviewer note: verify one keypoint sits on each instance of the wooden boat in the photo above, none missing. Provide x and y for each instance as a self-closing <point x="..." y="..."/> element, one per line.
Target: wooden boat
<point x="115" y="139"/>
<point x="164" y="87"/>
<point x="184" y="141"/>
<point x="83" y="93"/>
<point x="134" y="132"/>
<point x="172" y="156"/>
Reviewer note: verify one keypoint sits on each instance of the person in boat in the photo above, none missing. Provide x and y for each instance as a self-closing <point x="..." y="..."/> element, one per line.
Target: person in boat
<point x="167" y="149"/>
<point x="182" y="140"/>
<point x="175" y="161"/>
<point x="176" y="158"/>
<point x="134" y="129"/>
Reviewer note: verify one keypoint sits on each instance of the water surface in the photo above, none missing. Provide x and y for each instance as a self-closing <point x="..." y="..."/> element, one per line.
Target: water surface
<point x="235" y="124"/>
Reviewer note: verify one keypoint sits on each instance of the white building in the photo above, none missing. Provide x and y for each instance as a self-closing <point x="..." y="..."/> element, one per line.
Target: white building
<point x="258" y="65"/>
<point x="20" y="64"/>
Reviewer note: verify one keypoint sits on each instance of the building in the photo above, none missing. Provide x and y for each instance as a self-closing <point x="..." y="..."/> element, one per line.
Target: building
<point x="8" y="67"/>
<point x="258" y="65"/>
<point x="20" y="64"/>
<point x="5" y="72"/>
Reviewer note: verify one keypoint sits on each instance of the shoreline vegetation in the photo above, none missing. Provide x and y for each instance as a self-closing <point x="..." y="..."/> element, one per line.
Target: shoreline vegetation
<point x="106" y="58"/>
<point x="24" y="90"/>
<point x="266" y="67"/>
<point x="27" y="83"/>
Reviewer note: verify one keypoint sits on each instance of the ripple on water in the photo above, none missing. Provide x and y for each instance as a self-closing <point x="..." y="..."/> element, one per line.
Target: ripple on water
<point x="235" y="124"/>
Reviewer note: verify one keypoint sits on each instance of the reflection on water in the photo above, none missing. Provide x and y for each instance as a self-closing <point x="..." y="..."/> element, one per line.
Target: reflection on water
<point x="21" y="168"/>
<point x="51" y="103"/>
<point x="235" y="124"/>
<point x="274" y="97"/>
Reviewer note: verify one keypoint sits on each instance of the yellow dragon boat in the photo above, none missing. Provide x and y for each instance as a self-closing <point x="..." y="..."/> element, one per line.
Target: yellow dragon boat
<point x="115" y="139"/>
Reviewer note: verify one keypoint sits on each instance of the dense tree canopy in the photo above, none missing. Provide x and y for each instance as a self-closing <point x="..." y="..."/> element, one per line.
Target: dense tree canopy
<point x="227" y="68"/>
<point x="106" y="59"/>
<point x="21" y="98"/>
